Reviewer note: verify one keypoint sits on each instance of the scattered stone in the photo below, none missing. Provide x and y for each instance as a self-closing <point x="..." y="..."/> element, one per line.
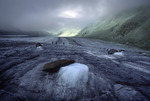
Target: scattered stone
<point x="112" y="51"/>
<point x="143" y="53"/>
<point x="55" y="66"/>
<point x="38" y="44"/>
<point x="121" y="50"/>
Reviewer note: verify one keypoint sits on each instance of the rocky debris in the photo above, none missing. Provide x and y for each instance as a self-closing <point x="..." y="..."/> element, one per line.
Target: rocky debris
<point x="144" y="54"/>
<point x="127" y="27"/>
<point x="112" y="51"/>
<point x="54" y="66"/>
<point x="121" y="50"/>
<point x="38" y="44"/>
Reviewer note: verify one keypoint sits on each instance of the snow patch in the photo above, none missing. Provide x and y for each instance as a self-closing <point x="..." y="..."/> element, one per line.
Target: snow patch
<point x="39" y="48"/>
<point x="119" y="54"/>
<point x="73" y="75"/>
<point x="107" y="57"/>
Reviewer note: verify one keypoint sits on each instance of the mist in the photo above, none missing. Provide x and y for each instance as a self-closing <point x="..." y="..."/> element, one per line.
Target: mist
<point x="59" y="15"/>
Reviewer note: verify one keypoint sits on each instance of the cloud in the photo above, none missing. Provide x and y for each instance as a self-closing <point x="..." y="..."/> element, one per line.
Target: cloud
<point x="55" y="15"/>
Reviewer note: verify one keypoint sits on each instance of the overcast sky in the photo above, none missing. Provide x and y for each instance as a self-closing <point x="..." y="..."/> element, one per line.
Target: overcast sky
<point x="55" y="15"/>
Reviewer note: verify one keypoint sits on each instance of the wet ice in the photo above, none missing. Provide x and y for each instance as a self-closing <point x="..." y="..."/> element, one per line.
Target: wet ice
<point x="73" y="75"/>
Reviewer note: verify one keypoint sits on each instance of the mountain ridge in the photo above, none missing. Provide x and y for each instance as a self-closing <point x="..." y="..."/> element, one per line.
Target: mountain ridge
<point x="131" y="27"/>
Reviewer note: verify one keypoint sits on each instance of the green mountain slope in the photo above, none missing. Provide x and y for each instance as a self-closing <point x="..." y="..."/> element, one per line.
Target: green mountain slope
<point x="128" y="27"/>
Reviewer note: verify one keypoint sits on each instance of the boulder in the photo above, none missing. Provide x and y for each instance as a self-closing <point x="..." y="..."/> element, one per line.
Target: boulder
<point x="38" y="44"/>
<point x="55" y="66"/>
<point x="112" y="51"/>
<point x="121" y="50"/>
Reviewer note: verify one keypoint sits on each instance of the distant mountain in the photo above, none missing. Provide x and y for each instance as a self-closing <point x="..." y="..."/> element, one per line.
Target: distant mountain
<point x="130" y="27"/>
<point x="27" y="33"/>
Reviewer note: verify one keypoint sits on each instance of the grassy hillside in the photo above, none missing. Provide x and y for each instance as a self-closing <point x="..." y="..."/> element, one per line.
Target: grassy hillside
<point x="128" y="27"/>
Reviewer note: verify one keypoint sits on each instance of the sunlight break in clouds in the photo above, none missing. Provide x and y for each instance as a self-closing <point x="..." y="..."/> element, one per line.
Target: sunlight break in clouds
<point x="69" y="14"/>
